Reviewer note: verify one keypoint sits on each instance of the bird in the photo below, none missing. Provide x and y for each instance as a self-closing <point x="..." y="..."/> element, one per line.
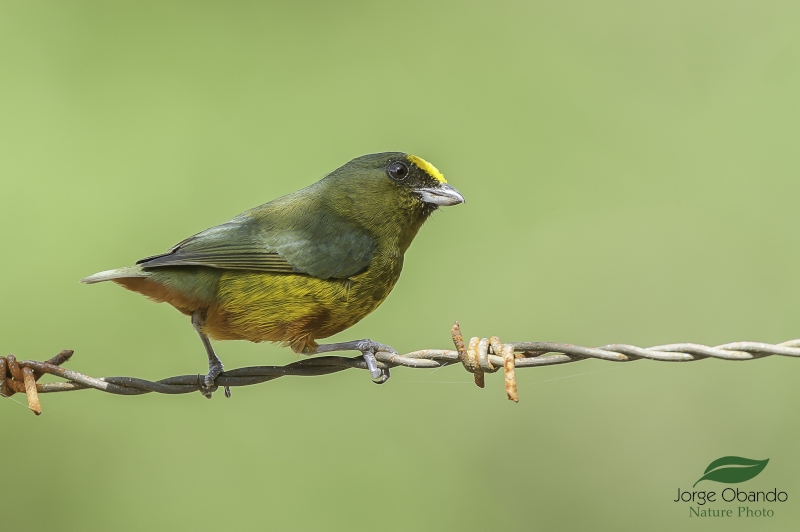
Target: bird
<point x="301" y="267"/>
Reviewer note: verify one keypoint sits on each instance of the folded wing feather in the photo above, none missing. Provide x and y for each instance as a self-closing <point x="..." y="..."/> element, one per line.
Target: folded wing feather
<point x="327" y="247"/>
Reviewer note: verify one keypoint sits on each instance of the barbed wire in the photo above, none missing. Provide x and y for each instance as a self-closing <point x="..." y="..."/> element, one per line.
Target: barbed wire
<point x="479" y="356"/>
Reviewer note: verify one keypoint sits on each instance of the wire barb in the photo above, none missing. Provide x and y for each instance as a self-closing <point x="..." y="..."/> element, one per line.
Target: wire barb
<point x="479" y="356"/>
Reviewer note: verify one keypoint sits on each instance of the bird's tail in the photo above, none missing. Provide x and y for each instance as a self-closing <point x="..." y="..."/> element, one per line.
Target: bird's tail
<point x="119" y="273"/>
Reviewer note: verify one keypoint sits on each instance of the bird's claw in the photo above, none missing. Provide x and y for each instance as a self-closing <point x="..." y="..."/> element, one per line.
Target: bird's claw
<point x="368" y="349"/>
<point x="209" y="386"/>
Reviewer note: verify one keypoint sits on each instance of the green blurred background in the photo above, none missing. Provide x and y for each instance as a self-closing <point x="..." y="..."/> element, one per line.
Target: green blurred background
<point x="631" y="171"/>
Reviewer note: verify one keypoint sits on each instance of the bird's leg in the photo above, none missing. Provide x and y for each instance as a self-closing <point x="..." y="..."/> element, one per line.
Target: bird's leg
<point x="215" y="366"/>
<point x="368" y="349"/>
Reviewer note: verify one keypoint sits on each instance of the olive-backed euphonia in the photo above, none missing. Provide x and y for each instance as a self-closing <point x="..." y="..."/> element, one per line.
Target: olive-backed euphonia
<point x="301" y="267"/>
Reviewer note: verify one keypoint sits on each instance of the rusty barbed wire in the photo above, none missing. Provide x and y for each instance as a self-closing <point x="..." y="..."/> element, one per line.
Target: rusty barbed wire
<point x="479" y="356"/>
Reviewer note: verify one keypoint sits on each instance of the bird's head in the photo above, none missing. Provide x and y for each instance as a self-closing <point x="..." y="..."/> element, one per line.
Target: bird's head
<point x="396" y="181"/>
<point x="390" y="194"/>
<point x="423" y="180"/>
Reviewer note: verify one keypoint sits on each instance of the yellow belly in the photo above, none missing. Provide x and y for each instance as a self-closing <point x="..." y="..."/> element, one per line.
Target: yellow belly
<point x="296" y="309"/>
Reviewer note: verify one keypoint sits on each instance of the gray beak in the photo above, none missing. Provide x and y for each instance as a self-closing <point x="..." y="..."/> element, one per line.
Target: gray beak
<point x="443" y="195"/>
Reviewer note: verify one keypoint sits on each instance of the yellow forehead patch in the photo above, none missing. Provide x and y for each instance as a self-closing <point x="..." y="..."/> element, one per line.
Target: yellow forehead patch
<point x="428" y="168"/>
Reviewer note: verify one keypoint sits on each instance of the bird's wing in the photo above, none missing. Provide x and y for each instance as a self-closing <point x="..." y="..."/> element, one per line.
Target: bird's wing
<point x="323" y="247"/>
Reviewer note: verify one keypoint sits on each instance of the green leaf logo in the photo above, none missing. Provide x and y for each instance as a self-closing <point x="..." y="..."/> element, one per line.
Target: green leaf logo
<point x="733" y="469"/>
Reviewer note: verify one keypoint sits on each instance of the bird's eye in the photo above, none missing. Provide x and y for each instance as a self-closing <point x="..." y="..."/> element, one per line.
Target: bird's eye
<point x="397" y="171"/>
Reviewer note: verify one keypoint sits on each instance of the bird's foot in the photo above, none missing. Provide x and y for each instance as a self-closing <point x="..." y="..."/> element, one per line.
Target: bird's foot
<point x="368" y="349"/>
<point x="209" y="385"/>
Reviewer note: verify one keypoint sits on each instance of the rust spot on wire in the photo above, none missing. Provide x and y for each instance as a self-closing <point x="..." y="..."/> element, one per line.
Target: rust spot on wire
<point x="5" y="391"/>
<point x="18" y="377"/>
<point x="472" y="362"/>
<point x="509" y="366"/>
<point x="458" y="340"/>
<point x="30" y="391"/>
<point x="468" y="355"/>
<point x="510" y="373"/>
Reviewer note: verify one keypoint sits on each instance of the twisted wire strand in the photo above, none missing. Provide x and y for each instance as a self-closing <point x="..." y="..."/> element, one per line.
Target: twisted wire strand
<point x="480" y="356"/>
